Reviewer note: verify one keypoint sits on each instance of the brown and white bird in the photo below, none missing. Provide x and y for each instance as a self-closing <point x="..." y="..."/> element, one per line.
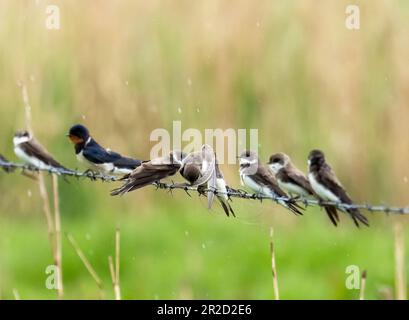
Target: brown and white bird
<point x="222" y="190"/>
<point x="29" y="150"/>
<point x="196" y="167"/>
<point x="202" y="169"/>
<point x="199" y="169"/>
<point x="294" y="181"/>
<point x="262" y="181"/>
<point x="151" y="171"/>
<point x="327" y="186"/>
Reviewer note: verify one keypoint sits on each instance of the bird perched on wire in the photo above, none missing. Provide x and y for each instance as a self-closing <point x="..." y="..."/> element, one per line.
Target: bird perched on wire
<point x="325" y="183"/>
<point x="294" y="181"/>
<point x="222" y="191"/>
<point x="98" y="158"/>
<point x="262" y="181"/>
<point x="199" y="169"/>
<point x="4" y="161"/>
<point x="151" y="171"/>
<point x="29" y="150"/>
<point x="191" y="167"/>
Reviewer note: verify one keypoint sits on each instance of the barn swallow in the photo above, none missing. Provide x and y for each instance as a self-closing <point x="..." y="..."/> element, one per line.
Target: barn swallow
<point x="98" y="158"/>
<point x="28" y="149"/>
<point x="150" y="172"/>
<point x="6" y="168"/>
<point x="262" y="181"/>
<point x="325" y="183"/>
<point x="294" y="181"/>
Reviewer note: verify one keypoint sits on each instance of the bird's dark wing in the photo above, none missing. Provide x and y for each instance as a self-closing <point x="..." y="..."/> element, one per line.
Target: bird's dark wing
<point x="327" y="177"/>
<point x="127" y="163"/>
<point x="94" y="153"/>
<point x="144" y="175"/>
<point x="265" y="177"/>
<point x="97" y="154"/>
<point x="219" y="173"/>
<point x="34" y="149"/>
<point x="295" y="177"/>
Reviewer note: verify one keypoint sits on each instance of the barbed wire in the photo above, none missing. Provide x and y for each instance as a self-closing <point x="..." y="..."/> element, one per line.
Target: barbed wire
<point x="231" y="193"/>
<point x="94" y="176"/>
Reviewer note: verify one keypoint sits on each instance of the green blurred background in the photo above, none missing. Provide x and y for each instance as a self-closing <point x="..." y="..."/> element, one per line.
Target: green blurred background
<point x="291" y="69"/>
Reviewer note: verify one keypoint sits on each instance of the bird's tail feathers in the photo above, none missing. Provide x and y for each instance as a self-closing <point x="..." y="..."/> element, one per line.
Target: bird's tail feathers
<point x="332" y="214"/>
<point x="358" y="217"/>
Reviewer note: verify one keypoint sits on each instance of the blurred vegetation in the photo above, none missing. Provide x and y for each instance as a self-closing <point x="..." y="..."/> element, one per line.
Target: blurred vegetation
<point x="288" y="68"/>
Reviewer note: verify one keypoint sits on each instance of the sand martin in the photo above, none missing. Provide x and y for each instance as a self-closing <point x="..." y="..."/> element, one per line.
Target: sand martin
<point x="199" y="169"/>
<point x="262" y="181"/>
<point x="327" y="186"/>
<point x="150" y="172"/>
<point x="98" y="158"/>
<point x="222" y="189"/>
<point x="295" y="182"/>
<point x="29" y="150"/>
<point x="196" y="169"/>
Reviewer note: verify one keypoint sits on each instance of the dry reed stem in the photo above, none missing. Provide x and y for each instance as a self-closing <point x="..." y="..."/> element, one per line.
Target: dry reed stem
<point x="273" y="266"/>
<point x="117" y="287"/>
<point x="54" y="237"/>
<point x="400" y="276"/>
<point x="114" y="270"/>
<point x="58" y="247"/>
<point x="362" y="287"/>
<point x="113" y="276"/>
<point x="47" y="211"/>
<point x="86" y="262"/>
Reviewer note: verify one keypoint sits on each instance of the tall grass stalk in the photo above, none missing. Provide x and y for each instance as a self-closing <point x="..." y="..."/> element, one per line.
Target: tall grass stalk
<point x="362" y="287"/>
<point x="58" y="246"/>
<point x="400" y="276"/>
<point x="86" y="263"/>
<point x="273" y="266"/>
<point x="53" y="225"/>
<point x="114" y="270"/>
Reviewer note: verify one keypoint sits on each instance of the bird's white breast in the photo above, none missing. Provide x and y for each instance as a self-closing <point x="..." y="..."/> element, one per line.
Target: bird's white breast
<point x="105" y="168"/>
<point x="321" y="190"/>
<point x="221" y="187"/>
<point x="256" y="187"/>
<point x="292" y="188"/>
<point x="30" y="160"/>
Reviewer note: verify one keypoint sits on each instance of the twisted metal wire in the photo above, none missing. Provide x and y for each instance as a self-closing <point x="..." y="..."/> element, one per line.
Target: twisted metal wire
<point x="232" y="193"/>
<point x="94" y="176"/>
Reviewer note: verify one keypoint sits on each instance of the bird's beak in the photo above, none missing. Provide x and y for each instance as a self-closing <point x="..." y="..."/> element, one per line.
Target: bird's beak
<point x="74" y="139"/>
